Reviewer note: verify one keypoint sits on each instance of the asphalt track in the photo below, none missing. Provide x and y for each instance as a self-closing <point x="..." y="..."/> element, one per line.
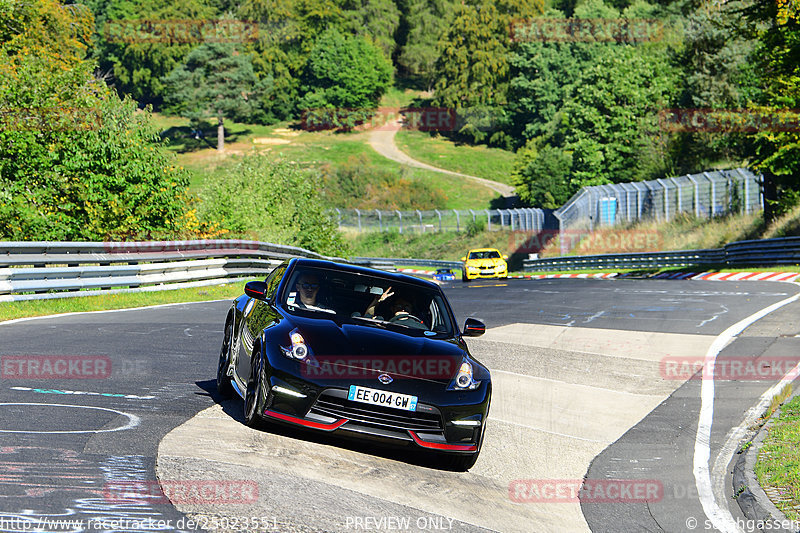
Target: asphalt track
<point x="578" y="392"/>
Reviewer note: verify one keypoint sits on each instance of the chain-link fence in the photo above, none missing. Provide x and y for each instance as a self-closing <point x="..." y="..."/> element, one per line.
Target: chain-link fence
<point x="528" y="219"/>
<point x="707" y="194"/>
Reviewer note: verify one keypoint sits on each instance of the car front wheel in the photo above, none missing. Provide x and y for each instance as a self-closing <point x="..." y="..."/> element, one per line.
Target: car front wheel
<point x="224" y="386"/>
<point x="251" y="415"/>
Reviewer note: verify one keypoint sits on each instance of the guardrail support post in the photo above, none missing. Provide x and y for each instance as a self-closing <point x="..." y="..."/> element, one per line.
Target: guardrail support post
<point x="488" y="220"/>
<point x="440" y="219"/>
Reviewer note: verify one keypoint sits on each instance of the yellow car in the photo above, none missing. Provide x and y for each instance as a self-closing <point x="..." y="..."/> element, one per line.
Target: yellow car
<point x="484" y="263"/>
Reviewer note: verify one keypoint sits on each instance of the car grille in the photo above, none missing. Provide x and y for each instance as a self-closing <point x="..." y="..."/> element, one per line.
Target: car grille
<point x="376" y="415"/>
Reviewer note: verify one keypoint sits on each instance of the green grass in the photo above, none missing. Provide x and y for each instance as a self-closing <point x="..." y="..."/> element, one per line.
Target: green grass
<point x="396" y="97"/>
<point x="28" y="308"/>
<point x="778" y="464"/>
<point x="446" y="245"/>
<point x="310" y="149"/>
<point x="489" y="163"/>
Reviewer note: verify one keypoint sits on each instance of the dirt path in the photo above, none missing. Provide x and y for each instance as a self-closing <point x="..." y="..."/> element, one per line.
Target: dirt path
<point x="382" y="141"/>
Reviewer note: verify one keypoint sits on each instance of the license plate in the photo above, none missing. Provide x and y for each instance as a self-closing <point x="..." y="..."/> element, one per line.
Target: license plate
<point x="488" y="271"/>
<point x="382" y="397"/>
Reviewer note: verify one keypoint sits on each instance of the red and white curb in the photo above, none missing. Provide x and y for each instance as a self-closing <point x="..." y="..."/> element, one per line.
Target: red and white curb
<point x="602" y="275"/>
<point x="731" y="276"/>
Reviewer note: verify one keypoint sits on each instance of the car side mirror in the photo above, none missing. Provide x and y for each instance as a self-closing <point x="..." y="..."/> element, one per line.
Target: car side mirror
<point x="474" y="328"/>
<point x="505" y="258"/>
<point x="464" y="258"/>
<point x="256" y="289"/>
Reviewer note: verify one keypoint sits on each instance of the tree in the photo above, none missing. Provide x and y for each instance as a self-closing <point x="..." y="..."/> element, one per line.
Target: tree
<point x="214" y="80"/>
<point x="345" y="77"/>
<point x="427" y="22"/>
<point x="542" y="177"/>
<point x="134" y="56"/>
<point x="472" y="66"/>
<point x="611" y="123"/>
<point x="272" y="201"/>
<point x="776" y="153"/>
<point x="374" y="20"/>
<point x="280" y="54"/>
<point x="76" y="163"/>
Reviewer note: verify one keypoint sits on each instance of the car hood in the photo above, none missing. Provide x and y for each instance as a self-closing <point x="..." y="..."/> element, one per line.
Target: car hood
<point x="375" y="350"/>
<point x="485" y="262"/>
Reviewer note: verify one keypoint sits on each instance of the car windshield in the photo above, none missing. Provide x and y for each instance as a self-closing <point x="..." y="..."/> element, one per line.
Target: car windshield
<point x="365" y="299"/>
<point x="493" y="254"/>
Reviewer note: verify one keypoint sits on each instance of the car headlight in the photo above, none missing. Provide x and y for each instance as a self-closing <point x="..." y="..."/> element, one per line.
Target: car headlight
<point x="464" y="379"/>
<point x="470" y="267"/>
<point x="298" y="349"/>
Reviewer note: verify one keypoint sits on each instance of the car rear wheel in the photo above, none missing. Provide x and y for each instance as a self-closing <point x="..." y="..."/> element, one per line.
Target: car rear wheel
<point x="224" y="386"/>
<point x="251" y="415"/>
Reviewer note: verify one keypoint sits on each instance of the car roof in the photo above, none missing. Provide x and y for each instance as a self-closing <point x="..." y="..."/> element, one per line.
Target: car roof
<point x="356" y="269"/>
<point x="484" y="250"/>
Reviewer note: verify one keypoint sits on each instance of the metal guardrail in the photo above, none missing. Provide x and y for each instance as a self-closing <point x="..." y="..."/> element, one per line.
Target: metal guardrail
<point x="520" y="219"/>
<point x="385" y="262"/>
<point x="767" y="252"/>
<point x="33" y="270"/>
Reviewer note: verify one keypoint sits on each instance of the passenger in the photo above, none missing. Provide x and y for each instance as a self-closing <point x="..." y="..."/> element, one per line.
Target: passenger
<point x="401" y="309"/>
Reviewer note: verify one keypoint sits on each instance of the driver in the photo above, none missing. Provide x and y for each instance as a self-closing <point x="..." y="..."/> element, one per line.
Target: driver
<point x="307" y="286"/>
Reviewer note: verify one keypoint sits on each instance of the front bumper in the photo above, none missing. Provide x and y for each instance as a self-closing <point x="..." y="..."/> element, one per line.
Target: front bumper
<point x="498" y="272"/>
<point x="429" y="427"/>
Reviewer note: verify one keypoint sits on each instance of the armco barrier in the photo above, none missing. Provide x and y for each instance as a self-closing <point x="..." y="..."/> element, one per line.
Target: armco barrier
<point x="34" y="270"/>
<point x="767" y="252"/>
<point x="385" y="262"/>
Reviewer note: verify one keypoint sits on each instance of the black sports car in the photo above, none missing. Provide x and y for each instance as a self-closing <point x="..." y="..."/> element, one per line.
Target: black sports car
<point x="359" y="352"/>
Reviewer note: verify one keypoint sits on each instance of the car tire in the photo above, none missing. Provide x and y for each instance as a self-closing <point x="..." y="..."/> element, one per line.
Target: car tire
<point x="464" y="277"/>
<point x="251" y="397"/>
<point x="224" y="386"/>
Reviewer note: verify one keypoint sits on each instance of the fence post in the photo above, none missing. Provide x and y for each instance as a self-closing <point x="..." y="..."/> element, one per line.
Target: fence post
<point x="713" y="195"/>
<point x="440" y="219"/>
<point x="488" y="220"/>
<point x="380" y="221"/>
<point x="666" y="199"/>
<point x="358" y="214"/>
<point x="458" y="222"/>
<point x="696" y="195"/>
<point x="746" y="198"/>
<point x="400" y="216"/>
<point x="421" y="229"/>
<point x="678" y="191"/>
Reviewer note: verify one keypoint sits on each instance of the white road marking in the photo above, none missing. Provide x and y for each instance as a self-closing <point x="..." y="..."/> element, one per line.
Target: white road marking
<point x="83" y="393"/>
<point x="59" y="315"/>
<point x="133" y="420"/>
<point x="720" y="516"/>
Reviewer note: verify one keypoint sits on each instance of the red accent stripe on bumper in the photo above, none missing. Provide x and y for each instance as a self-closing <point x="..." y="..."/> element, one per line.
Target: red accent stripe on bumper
<point x="439" y="446"/>
<point x="303" y="422"/>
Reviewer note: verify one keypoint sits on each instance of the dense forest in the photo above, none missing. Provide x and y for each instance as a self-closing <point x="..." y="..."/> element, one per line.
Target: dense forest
<point x="585" y="92"/>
